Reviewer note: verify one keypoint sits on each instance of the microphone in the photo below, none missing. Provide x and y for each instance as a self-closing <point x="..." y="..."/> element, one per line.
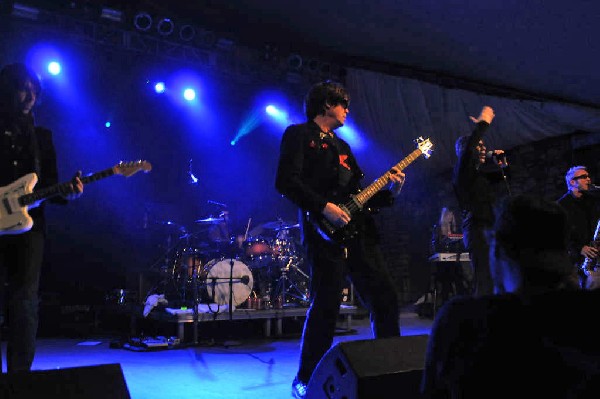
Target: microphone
<point x="216" y="203"/>
<point x="492" y="155"/>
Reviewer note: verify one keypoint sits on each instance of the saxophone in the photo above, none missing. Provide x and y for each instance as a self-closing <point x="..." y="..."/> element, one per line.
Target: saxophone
<point x="589" y="264"/>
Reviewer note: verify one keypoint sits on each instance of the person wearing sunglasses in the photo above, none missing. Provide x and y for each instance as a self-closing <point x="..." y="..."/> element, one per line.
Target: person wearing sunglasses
<point x="479" y="180"/>
<point x="582" y="204"/>
<point x="316" y="169"/>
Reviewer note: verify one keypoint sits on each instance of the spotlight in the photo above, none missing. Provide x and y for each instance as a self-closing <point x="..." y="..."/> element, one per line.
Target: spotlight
<point x="159" y="87"/>
<point x="206" y="39"/>
<point x="325" y="69"/>
<point x="189" y="94"/>
<point x="187" y="33"/>
<point x="294" y="62"/>
<point x="142" y="21"/>
<point x="54" y="68"/>
<point x="165" y="26"/>
<point x="312" y="65"/>
<point x="111" y="15"/>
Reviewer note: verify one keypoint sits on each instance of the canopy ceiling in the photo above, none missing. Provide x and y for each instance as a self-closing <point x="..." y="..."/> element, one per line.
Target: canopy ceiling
<point x="544" y="49"/>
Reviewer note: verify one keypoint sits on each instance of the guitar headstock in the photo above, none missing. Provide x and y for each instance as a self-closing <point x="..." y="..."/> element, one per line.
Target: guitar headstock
<point x="425" y="145"/>
<point x="129" y="168"/>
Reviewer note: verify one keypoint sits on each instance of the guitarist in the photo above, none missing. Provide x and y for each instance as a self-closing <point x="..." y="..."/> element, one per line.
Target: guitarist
<point x="316" y="171"/>
<point x="24" y="148"/>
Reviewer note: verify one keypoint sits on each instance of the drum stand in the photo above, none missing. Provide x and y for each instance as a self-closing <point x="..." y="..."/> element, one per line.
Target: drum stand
<point x="285" y="284"/>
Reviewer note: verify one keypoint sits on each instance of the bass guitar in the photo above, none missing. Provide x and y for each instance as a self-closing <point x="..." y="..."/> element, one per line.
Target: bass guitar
<point x="356" y="202"/>
<point x="18" y="197"/>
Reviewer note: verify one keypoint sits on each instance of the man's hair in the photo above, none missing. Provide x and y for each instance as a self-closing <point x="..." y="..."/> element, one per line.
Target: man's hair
<point x="323" y="94"/>
<point x="460" y="144"/>
<point x="571" y="172"/>
<point x="12" y="78"/>
<point x="528" y="222"/>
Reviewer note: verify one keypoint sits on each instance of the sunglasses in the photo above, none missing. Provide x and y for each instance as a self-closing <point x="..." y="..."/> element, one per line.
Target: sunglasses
<point x="581" y="177"/>
<point x="343" y="102"/>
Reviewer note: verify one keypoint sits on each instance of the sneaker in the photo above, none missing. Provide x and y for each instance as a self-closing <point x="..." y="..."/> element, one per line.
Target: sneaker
<point x="298" y="389"/>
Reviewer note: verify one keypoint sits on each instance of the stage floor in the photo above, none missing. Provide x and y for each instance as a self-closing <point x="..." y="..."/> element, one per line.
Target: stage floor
<point x="250" y="367"/>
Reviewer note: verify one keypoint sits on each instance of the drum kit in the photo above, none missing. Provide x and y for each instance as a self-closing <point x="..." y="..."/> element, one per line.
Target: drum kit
<point x="261" y="271"/>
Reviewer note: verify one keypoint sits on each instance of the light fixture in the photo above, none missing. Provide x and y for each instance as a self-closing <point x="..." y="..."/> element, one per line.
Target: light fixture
<point x="111" y="15"/>
<point x="294" y="62"/>
<point x="142" y="21"/>
<point x="23" y="11"/>
<point x="187" y="33"/>
<point x="165" y="26"/>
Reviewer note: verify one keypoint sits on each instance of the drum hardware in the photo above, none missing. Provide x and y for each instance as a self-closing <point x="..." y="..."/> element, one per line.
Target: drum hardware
<point x="286" y="286"/>
<point x="279" y="225"/>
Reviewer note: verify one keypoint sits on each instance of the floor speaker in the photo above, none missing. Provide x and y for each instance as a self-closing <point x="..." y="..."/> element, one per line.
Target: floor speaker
<point x="90" y="382"/>
<point x="372" y="368"/>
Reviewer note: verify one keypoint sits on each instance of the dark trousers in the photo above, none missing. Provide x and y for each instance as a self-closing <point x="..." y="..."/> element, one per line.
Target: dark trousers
<point x="479" y="250"/>
<point x="367" y="271"/>
<point x="21" y="262"/>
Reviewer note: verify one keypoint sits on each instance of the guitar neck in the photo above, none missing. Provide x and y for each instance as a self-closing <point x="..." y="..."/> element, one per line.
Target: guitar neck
<point x="57" y="189"/>
<point x="367" y="193"/>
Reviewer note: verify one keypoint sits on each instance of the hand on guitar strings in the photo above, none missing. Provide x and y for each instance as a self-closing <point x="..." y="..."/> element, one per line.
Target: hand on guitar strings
<point x="397" y="178"/>
<point x="336" y="215"/>
<point x="74" y="189"/>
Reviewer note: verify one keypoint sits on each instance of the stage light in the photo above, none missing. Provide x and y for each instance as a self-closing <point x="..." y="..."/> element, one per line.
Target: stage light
<point x="312" y="65"/>
<point x="23" y="11"/>
<point x="111" y="15"/>
<point x="107" y="124"/>
<point x="54" y="68"/>
<point x="165" y="27"/>
<point x="277" y="114"/>
<point x="159" y="87"/>
<point x="187" y="33"/>
<point x="189" y="94"/>
<point x="294" y="62"/>
<point x="142" y="21"/>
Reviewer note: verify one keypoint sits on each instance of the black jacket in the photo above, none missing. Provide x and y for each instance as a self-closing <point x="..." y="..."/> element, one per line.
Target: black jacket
<point x="583" y="214"/>
<point x="477" y="186"/>
<point x="309" y="171"/>
<point x="25" y="149"/>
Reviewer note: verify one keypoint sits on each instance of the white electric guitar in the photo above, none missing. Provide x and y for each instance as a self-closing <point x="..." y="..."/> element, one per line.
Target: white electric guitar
<point x="18" y="197"/>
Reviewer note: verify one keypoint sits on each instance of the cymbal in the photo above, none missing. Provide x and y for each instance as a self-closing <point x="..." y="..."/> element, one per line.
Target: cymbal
<point x="293" y="226"/>
<point x="210" y="220"/>
<point x="279" y="225"/>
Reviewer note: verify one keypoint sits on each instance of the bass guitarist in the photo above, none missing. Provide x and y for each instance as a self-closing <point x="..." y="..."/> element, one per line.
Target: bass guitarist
<point x="317" y="171"/>
<point x="24" y="148"/>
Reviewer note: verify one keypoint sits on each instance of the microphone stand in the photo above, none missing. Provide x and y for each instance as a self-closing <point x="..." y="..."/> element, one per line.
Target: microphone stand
<point x="196" y="298"/>
<point x="231" y="262"/>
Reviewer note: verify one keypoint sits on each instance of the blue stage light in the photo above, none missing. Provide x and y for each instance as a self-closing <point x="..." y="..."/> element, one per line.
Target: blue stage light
<point x="189" y="94"/>
<point x="159" y="87"/>
<point x="54" y="68"/>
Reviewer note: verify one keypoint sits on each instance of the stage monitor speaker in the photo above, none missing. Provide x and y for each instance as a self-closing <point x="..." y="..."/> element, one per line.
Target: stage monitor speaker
<point x="372" y="368"/>
<point x="89" y="382"/>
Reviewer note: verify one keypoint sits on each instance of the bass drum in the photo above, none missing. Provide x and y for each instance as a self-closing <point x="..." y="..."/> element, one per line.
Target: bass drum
<point x="218" y="282"/>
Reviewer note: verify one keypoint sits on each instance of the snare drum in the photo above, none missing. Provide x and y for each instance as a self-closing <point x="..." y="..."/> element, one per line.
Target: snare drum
<point x="220" y="276"/>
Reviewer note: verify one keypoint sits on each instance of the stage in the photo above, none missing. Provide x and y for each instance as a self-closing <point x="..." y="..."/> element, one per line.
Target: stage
<point x="238" y="368"/>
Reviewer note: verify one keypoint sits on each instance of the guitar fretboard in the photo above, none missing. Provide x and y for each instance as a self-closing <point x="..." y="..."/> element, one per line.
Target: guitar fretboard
<point x="366" y="194"/>
<point x="57" y="189"/>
